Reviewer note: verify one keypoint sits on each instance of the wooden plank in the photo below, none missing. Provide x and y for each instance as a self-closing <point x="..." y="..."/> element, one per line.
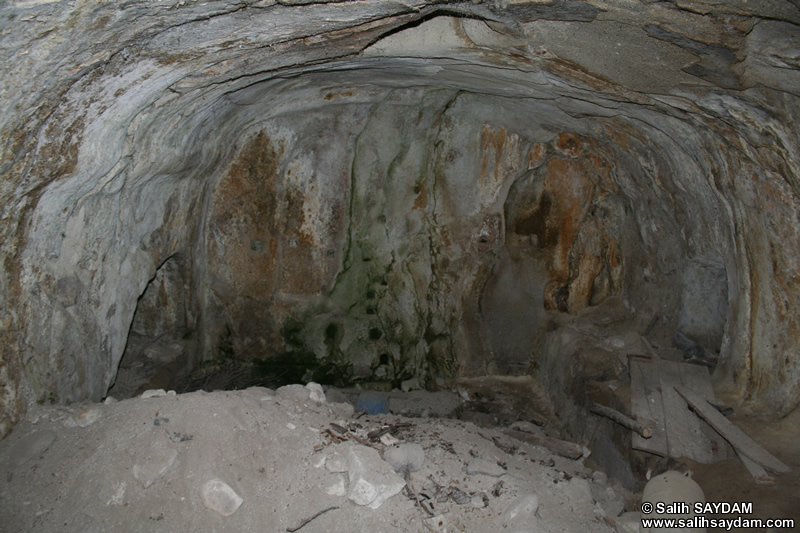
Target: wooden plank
<point x="738" y="439"/>
<point x="685" y="437"/>
<point x="760" y="476"/>
<point x="646" y="403"/>
<point x="697" y="378"/>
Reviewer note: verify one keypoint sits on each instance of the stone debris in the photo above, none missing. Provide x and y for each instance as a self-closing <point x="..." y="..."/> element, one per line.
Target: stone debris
<point x="30" y="446"/>
<point x="296" y="393"/>
<point x="520" y="515"/>
<point x="303" y="471"/>
<point x="405" y="458"/>
<point x="159" y="459"/>
<point x="219" y="497"/>
<point x="88" y="416"/>
<point x="487" y="468"/>
<point x="153" y="393"/>
<point x="316" y="394"/>
<point x="372" y="480"/>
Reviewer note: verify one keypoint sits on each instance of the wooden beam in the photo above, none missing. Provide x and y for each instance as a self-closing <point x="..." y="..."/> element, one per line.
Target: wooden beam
<point x="638" y="426"/>
<point x="738" y="439"/>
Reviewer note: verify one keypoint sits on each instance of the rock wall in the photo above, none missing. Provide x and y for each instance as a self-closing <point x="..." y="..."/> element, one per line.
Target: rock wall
<point x="412" y="188"/>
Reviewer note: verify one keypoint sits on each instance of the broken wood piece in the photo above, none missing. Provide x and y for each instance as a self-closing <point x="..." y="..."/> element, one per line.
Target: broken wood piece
<point x="564" y="448"/>
<point x="646" y="404"/>
<point x="638" y="426"/>
<point x="743" y="444"/>
<point x="760" y="476"/>
<point x="338" y="429"/>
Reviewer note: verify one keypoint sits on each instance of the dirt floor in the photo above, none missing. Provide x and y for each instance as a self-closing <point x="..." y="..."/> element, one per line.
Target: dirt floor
<point x="729" y="481"/>
<point x="264" y="460"/>
<point x="150" y="464"/>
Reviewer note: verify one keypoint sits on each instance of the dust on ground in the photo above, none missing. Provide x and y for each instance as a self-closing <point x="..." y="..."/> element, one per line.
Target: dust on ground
<point x="143" y="464"/>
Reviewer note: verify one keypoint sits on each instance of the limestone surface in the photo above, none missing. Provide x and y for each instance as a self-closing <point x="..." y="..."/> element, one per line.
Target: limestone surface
<point x="387" y="191"/>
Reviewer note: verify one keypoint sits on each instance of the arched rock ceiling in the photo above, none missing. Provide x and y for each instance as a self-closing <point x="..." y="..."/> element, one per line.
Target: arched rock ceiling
<point x="120" y="118"/>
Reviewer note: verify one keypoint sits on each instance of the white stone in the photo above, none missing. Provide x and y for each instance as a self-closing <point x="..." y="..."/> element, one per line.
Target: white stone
<point x="405" y="457"/>
<point x="372" y="480"/>
<point x="410" y="384"/>
<point x="110" y="400"/>
<point x="153" y="393"/>
<point x="388" y="440"/>
<point x="521" y="510"/>
<point x="297" y="393"/>
<point x="219" y="497"/>
<point x="315" y="392"/>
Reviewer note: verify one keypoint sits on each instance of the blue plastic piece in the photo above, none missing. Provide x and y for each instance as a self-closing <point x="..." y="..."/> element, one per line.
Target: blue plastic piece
<point x="374" y="403"/>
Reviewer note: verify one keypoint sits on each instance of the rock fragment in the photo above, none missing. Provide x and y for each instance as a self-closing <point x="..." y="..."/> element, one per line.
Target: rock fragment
<point x="296" y="393"/>
<point x="521" y="513"/>
<point x="372" y="480"/>
<point x="487" y="468"/>
<point x="219" y="497"/>
<point x="404" y="458"/>
<point x="153" y="393"/>
<point x="315" y="392"/>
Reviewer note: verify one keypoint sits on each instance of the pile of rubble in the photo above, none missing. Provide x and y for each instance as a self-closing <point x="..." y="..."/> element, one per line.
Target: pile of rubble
<point x="286" y="460"/>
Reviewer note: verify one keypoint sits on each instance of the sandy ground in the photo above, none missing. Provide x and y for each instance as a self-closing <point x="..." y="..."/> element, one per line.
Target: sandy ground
<point x="142" y="464"/>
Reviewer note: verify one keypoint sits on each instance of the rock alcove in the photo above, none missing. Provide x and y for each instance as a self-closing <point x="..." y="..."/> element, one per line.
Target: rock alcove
<point x="397" y="194"/>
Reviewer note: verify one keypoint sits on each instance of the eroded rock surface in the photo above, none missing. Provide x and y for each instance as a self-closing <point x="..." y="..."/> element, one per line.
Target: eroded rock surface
<point x="388" y="191"/>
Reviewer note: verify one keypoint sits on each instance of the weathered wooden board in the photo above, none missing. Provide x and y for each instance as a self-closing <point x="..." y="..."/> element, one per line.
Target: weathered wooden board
<point x="738" y="439"/>
<point x="698" y="379"/>
<point x="685" y="437"/>
<point x="677" y="431"/>
<point x="760" y="476"/>
<point x="646" y="403"/>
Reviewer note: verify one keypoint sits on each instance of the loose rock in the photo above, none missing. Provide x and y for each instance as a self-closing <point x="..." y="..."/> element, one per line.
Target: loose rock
<point x="297" y="393"/>
<point x="155" y="393"/>
<point x="315" y="392"/>
<point x="372" y="480"/>
<point x="405" y="457"/>
<point x="521" y="512"/>
<point x="219" y="497"/>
